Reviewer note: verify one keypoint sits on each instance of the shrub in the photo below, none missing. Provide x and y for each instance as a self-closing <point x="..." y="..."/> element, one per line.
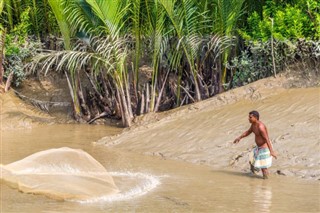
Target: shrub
<point x="291" y="22"/>
<point x="19" y="48"/>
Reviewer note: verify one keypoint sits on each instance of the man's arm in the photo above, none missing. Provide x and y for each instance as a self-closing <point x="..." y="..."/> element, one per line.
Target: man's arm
<point x="245" y="134"/>
<point x="264" y="134"/>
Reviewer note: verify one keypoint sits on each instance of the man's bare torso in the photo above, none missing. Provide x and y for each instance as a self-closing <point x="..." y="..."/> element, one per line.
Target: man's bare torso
<point x="256" y="129"/>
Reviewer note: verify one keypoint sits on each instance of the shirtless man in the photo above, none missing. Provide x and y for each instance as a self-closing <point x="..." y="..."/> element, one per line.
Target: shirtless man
<point x="261" y="156"/>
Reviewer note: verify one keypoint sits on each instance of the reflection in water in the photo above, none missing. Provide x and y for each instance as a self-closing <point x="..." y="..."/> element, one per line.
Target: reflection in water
<point x="262" y="197"/>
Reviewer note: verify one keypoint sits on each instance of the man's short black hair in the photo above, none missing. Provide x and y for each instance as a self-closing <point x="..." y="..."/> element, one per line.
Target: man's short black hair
<point x="255" y="114"/>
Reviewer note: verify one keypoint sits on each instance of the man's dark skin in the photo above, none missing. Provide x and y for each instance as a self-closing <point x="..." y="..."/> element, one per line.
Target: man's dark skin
<point x="261" y="137"/>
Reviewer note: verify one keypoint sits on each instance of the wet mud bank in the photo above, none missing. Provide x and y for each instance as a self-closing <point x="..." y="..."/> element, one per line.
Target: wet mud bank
<point x="202" y="133"/>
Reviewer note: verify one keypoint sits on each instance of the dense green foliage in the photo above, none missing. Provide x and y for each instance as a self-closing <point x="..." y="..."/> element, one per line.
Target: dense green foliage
<point x="290" y="21"/>
<point x="19" y="49"/>
<point x="294" y="27"/>
<point x="193" y="49"/>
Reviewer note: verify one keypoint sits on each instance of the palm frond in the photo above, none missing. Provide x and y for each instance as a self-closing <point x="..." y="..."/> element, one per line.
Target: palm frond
<point x="1" y="6"/>
<point x="226" y="15"/>
<point x="216" y="45"/>
<point x="111" y="14"/>
<point x="81" y="17"/>
<point x="57" y="8"/>
<point x="104" y="56"/>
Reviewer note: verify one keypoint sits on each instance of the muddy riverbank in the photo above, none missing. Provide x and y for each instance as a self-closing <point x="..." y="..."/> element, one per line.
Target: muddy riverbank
<point x="202" y="133"/>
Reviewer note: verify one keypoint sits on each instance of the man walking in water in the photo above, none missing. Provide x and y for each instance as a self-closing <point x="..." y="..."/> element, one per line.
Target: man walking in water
<point x="261" y="156"/>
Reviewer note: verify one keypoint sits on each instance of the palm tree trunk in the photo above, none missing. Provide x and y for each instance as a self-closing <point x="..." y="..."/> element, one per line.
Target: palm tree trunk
<point x="119" y="106"/>
<point x="142" y="110"/>
<point x="82" y="102"/>
<point x="147" y="98"/>
<point x="154" y="84"/>
<point x="127" y="88"/>
<point x="194" y="75"/>
<point x="8" y="83"/>
<point x="2" y="45"/>
<point x="178" y="86"/>
<point x="73" y="94"/>
<point x="137" y="33"/>
<point x="126" y="120"/>
<point x="160" y="93"/>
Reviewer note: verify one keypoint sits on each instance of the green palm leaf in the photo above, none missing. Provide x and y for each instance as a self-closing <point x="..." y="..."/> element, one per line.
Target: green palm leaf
<point x="81" y="17"/>
<point x="111" y="14"/>
<point x="57" y="8"/>
<point x="1" y="6"/>
<point x="185" y="16"/>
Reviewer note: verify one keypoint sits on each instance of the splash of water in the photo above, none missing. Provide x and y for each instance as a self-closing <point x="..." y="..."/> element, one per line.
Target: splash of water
<point x="139" y="184"/>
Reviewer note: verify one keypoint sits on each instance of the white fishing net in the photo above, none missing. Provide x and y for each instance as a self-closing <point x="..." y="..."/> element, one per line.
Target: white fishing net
<point x="63" y="173"/>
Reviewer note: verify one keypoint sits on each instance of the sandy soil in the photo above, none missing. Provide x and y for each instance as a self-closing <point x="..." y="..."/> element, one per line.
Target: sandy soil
<point x="202" y="133"/>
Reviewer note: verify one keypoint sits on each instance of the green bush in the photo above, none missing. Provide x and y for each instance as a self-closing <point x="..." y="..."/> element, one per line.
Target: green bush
<point x="17" y="56"/>
<point x="19" y="48"/>
<point x="291" y="22"/>
<point x="256" y="62"/>
<point x="245" y="72"/>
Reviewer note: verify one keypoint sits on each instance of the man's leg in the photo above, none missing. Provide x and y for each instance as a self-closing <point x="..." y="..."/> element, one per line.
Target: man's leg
<point x="265" y="173"/>
<point x="253" y="169"/>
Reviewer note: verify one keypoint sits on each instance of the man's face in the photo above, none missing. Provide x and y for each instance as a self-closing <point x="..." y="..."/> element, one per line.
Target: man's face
<point x="252" y="119"/>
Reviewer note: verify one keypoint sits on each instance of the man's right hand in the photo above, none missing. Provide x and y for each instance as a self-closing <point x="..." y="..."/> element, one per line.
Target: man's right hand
<point x="236" y="140"/>
<point x="273" y="154"/>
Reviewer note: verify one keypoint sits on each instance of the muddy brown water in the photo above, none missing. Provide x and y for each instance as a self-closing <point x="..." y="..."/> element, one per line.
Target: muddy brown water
<point x="180" y="187"/>
<point x="153" y="183"/>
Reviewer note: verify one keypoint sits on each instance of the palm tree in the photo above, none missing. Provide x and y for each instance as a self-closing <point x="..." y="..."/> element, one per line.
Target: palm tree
<point x="175" y="31"/>
<point x="225" y="15"/>
<point x="156" y="31"/>
<point x="105" y="55"/>
<point x="184" y="17"/>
